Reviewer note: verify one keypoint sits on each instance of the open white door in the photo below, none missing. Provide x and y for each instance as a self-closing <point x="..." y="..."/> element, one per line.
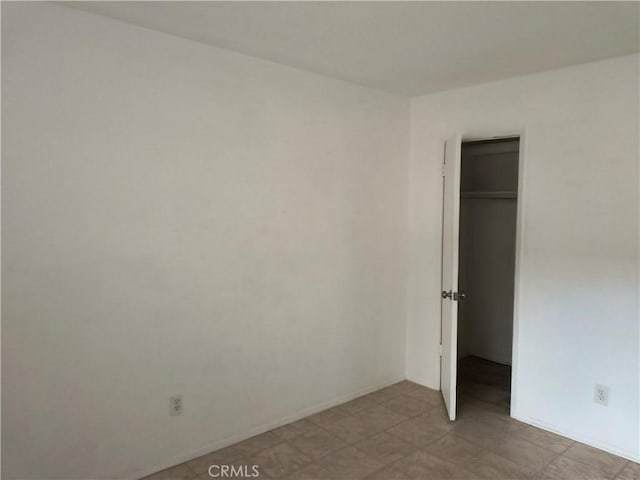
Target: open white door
<point x="449" y="298"/>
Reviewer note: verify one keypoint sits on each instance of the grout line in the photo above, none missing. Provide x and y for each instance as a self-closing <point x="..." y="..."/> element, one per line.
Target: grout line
<point x="554" y="458"/>
<point x="593" y="466"/>
<point x="622" y="469"/>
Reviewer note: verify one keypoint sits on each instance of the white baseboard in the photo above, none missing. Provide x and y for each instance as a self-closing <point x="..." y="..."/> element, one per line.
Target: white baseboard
<point x="186" y="456"/>
<point x="423" y="382"/>
<point x="613" y="449"/>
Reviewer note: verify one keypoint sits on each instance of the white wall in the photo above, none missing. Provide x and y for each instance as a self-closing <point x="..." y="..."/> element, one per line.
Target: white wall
<point x="183" y="219"/>
<point x="578" y="304"/>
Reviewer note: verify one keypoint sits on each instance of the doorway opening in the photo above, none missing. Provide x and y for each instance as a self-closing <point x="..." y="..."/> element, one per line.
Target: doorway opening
<point x="486" y="271"/>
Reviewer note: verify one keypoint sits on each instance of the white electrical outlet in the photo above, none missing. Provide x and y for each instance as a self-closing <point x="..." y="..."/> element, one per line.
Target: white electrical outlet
<point x="175" y="405"/>
<point x="601" y="395"/>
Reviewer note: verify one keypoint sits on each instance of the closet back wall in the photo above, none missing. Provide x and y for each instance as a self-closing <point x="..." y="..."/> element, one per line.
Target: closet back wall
<point x="488" y="209"/>
<point x="180" y="219"/>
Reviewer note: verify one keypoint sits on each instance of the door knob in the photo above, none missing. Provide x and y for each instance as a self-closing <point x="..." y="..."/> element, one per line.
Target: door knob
<point x="455" y="296"/>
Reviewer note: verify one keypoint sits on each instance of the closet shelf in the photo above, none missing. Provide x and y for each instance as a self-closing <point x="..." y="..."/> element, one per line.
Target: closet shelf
<point x="505" y="194"/>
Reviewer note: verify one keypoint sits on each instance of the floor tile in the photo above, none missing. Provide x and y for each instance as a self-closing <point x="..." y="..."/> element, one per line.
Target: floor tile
<point x="408" y="406"/>
<point x="317" y="443"/>
<point x="385" y="394"/>
<point x="605" y="462"/>
<point x="478" y="432"/>
<point x="357" y="405"/>
<point x="328" y="416"/>
<point x="485" y="392"/>
<point x="494" y="467"/>
<point x="353" y="428"/>
<point x="467" y="405"/>
<point x="456" y="449"/>
<point x="365" y="424"/>
<point x="563" y="468"/>
<point x="545" y="439"/>
<point x="385" y="448"/>
<point x="404" y="386"/>
<point x="419" y="431"/>
<point x="433" y="397"/>
<point x="523" y="452"/>
<point x="179" y="472"/>
<point x="488" y="413"/>
<point x="438" y="417"/>
<point x="251" y="445"/>
<point x="380" y="417"/>
<point x="291" y="430"/>
<point x="349" y="463"/>
<point x="390" y="472"/>
<point x="422" y="465"/>
<point x="201" y="464"/>
<point x="502" y="424"/>
<point x="312" y="471"/>
<point x="484" y="371"/>
<point x="630" y="472"/>
<point x="279" y="460"/>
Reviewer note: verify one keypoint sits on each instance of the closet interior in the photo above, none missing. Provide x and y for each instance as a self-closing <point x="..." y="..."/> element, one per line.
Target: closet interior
<point x="487" y="248"/>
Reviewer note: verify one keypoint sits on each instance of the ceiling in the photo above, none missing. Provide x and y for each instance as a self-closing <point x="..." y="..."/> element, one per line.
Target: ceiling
<point x="409" y="48"/>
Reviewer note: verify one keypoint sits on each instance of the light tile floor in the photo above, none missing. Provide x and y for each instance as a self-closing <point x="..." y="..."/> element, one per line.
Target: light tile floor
<point x="402" y="432"/>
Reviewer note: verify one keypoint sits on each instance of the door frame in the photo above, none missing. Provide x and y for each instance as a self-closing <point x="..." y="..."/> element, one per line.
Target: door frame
<point x="520" y="236"/>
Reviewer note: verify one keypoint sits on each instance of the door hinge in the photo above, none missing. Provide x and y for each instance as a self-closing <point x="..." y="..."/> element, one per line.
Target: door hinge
<point x="440" y="350"/>
<point x="444" y="170"/>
